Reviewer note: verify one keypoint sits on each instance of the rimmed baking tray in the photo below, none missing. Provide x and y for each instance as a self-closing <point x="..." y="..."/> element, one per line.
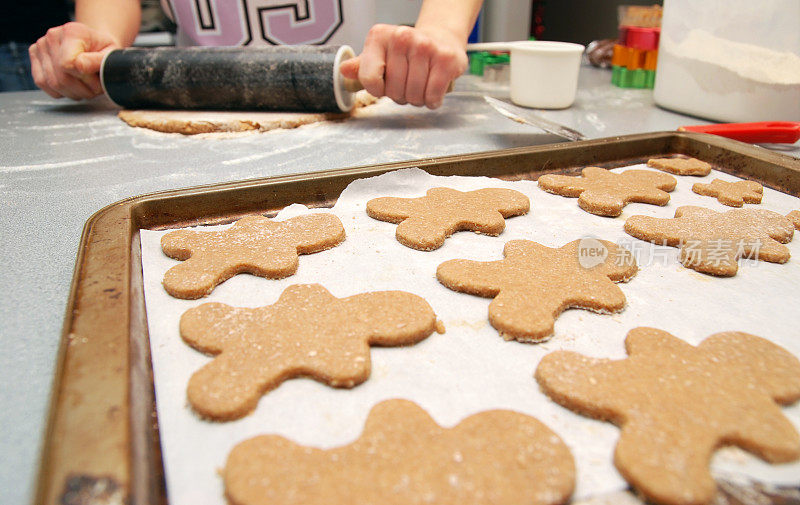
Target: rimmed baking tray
<point x="101" y="443"/>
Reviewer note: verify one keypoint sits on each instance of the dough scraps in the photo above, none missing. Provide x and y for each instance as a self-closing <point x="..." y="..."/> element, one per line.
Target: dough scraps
<point x="426" y="222"/>
<point x="676" y="403"/>
<point x="711" y="242"/>
<point x="307" y="332"/>
<point x="732" y="194"/>
<point x="254" y="244"/>
<point x="533" y="284"/>
<point x="191" y="122"/>
<point x="605" y="193"/>
<point x="403" y="457"/>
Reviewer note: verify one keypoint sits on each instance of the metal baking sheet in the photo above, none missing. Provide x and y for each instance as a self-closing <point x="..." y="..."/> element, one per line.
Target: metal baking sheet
<point x="102" y="438"/>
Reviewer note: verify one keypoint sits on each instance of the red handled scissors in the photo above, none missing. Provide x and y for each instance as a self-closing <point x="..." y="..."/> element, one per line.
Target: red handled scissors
<point x="764" y="132"/>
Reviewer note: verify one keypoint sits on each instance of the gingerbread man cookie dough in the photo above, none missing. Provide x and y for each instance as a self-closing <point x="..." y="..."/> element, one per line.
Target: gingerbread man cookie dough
<point x="794" y="217"/>
<point x="307" y="332"/>
<point x="681" y="166"/>
<point x="605" y="193"/>
<point x="711" y="242"/>
<point x="676" y="403"/>
<point x="533" y="284"/>
<point x="403" y="457"/>
<point x="255" y="244"/>
<point x="425" y="222"/>
<point x="732" y="194"/>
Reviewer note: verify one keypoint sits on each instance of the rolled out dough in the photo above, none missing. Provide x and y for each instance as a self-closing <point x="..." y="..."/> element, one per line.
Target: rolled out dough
<point x="191" y="122"/>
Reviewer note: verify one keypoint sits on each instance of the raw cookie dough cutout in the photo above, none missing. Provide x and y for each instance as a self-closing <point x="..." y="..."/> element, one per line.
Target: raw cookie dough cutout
<point x="307" y="332"/>
<point x="426" y="222"/>
<point x="255" y="244"/>
<point x="676" y="403"/>
<point x="403" y="457"/>
<point x="794" y="217"/>
<point x="732" y="194"/>
<point x="711" y="242"/>
<point x="533" y="284"/>
<point x="681" y="166"/>
<point x="605" y="193"/>
<point x="191" y="122"/>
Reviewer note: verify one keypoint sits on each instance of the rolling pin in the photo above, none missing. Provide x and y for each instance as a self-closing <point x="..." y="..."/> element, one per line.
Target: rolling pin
<point x="280" y="78"/>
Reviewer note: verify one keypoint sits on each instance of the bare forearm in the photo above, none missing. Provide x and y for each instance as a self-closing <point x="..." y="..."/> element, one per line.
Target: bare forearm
<point x="456" y="16"/>
<point x="120" y="19"/>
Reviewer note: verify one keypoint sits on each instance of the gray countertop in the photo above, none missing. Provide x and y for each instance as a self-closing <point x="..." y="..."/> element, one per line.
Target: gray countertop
<point x="60" y="162"/>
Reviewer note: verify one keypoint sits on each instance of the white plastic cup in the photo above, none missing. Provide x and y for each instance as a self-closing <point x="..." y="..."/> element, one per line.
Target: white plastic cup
<point x="544" y="74"/>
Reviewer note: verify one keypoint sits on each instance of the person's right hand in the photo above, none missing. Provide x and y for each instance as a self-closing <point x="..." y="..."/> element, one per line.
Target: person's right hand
<point x="66" y="61"/>
<point x="409" y="65"/>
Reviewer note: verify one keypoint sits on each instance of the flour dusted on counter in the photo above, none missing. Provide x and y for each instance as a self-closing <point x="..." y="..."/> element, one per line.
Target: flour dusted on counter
<point x="745" y="60"/>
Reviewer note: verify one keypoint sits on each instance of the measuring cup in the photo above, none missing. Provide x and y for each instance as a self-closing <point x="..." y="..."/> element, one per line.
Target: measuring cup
<point x="544" y="74"/>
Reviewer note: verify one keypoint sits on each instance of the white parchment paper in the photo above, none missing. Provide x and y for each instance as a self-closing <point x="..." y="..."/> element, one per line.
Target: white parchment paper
<point x="470" y="368"/>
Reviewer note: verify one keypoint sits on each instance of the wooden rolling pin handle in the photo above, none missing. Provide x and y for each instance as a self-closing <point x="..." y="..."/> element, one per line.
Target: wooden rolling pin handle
<point x="353" y="85"/>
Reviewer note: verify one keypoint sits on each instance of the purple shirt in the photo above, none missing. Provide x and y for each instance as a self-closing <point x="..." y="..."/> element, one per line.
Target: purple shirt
<point x="271" y="22"/>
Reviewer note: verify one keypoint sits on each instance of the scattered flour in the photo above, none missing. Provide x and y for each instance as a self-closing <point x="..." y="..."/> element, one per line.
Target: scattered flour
<point x="745" y="60"/>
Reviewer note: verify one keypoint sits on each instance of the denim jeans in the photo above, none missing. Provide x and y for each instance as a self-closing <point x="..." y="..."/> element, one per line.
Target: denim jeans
<point x="15" y="67"/>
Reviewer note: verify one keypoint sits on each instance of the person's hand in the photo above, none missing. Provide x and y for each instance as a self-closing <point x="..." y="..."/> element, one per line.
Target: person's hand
<point x="66" y="61"/>
<point x="409" y="65"/>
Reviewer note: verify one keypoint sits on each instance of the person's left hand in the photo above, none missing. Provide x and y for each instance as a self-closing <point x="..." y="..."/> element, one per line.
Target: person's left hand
<point x="409" y="65"/>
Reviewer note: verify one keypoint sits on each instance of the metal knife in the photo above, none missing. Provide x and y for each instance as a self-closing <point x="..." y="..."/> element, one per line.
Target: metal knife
<point x="525" y="116"/>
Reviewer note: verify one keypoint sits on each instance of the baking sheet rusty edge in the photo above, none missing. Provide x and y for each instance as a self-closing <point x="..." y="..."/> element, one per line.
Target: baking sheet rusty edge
<point x="101" y="442"/>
